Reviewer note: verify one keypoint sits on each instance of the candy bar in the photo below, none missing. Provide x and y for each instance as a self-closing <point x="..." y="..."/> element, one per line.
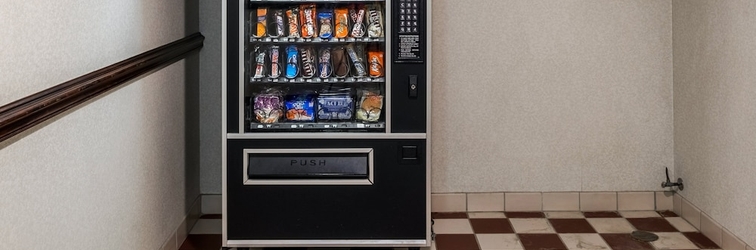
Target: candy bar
<point x="275" y="62"/>
<point x="293" y="16"/>
<point x="358" y="18"/>
<point x="375" y="21"/>
<point x="259" y="56"/>
<point x="375" y="59"/>
<point x="308" y="61"/>
<point x="308" y="14"/>
<point x="262" y="23"/>
<point x="324" y="65"/>
<point x="359" y="67"/>
<point x="278" y="24"/>
<point x="340" y="62"/>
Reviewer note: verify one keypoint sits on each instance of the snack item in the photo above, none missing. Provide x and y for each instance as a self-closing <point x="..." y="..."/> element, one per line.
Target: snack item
<point x="341" y="16"/>
<point x="293" y="16"/>
<point x="268" y="106"/>
<point x="300" y="107"/>
<point x="335" y="106"/>
<point x="354" y="54"/>
<point x="324" y="62"/>
<point x="308" y="14"/>
<point x="307" y="54"/>
<point x="278" y="24"/>
<point x="370" y="106"/>
<point x="275" y="62"/>
<point x="340" y="62"/>
<point x="259" y="55"/>
<point x="375" y="59"/>
<point x="358" y="19"/>
<point x="375" y="21"/>
<point x="292" y="61"/>
<point x="325" y="20"/>
<point x="262" y="22"/>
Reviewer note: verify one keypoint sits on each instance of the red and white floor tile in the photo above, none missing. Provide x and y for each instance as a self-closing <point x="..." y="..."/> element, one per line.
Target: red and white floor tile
<point x="529" y="230"/>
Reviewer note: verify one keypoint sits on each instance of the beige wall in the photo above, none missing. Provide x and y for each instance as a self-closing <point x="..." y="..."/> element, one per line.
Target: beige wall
<point x="715" y="109"/>
<point x="543" y="95"/>
<point x="111" y="174"/>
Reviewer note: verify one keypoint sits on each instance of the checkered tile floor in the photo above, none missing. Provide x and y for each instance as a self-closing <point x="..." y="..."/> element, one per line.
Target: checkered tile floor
<point x="564" y="230"/>
<point x="529" y="230"/>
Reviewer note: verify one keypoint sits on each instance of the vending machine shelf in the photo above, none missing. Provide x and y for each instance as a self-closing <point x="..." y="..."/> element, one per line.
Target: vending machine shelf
<point x="317" y="126"/>
<point x="316" y="40"/>
<point x="313" y="1"/>
<point x="317" y="80"/>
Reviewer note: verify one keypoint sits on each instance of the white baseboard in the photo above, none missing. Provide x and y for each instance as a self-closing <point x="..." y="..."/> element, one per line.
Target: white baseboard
<point x="708" y="226"/>
<point x="552" y="201"/>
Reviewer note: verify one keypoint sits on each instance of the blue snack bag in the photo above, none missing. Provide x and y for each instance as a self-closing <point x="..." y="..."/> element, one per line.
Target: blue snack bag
<point x="335" y="106"/>
<point x="300" y="107"/>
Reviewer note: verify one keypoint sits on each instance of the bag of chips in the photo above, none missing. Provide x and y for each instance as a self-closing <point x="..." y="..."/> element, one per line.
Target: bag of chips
<point x="336" y="105"/>
<point x="370" y="106"/>
<point x="268" y="106"/>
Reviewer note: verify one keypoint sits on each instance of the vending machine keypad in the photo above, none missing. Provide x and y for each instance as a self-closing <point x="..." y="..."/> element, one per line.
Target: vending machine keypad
<point x="409" y="12"/>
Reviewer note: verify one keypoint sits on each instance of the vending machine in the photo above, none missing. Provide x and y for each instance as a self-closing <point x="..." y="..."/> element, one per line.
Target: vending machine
<point x="326" y="123"/>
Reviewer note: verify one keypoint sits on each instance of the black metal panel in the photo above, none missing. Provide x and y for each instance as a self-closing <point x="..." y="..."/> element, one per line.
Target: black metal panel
<point x="394" y="207"/>
<point x="409" y="100"/>
<point x="232" y="71"/>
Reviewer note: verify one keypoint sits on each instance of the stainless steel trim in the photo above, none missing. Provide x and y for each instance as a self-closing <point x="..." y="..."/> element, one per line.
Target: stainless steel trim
<point x="429" y="117"/>
<point x="363" y="182"/>
<point x="327" y="136"/>
<point x="388" y="61"/>
<point x="242" y="81"/>
<point x="327" y="243"/>
<point x="224" y="119"/>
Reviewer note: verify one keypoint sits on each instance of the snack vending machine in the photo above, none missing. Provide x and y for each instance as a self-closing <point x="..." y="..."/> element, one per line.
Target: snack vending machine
<point x="326" y="119"/>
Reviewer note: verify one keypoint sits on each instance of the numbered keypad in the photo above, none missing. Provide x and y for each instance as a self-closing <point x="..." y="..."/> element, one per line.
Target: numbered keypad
<point x="409" y="15"/>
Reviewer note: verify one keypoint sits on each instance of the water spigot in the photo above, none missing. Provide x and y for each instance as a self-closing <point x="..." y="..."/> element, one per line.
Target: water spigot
<point x="668" y="183"/>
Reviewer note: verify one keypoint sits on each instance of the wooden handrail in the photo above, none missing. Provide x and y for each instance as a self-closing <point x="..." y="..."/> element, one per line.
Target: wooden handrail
<point x="29" y="111"/>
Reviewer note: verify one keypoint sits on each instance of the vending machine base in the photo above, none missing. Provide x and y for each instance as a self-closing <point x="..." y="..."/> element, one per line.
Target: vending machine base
<point x="327" y="193"/>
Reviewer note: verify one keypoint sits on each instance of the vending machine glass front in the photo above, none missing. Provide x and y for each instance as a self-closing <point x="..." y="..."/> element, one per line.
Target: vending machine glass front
<point x="315" y="66"/>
